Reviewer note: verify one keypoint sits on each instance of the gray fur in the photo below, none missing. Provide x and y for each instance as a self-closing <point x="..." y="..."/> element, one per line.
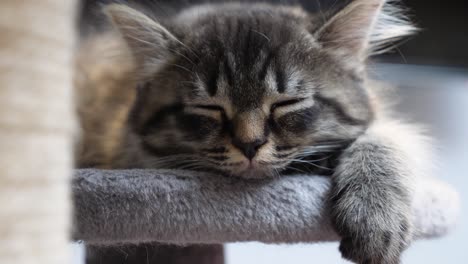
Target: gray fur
<point x="257" y="90"/>
<point x="182" y="207"/>
<point x="371" y="203"/>
<point x="238" y="75"/>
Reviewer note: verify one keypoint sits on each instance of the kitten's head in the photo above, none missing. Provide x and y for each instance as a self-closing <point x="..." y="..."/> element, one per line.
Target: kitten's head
<point x="249" y="89"/>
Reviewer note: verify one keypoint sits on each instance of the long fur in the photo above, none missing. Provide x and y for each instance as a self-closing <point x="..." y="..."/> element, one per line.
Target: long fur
<point x="391" y="26"/>
<point x="287" y="92"/>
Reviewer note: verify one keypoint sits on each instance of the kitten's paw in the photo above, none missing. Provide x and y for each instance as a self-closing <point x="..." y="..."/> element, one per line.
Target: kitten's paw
<point x="384" y="247"/>
<point x="374" y="235"/>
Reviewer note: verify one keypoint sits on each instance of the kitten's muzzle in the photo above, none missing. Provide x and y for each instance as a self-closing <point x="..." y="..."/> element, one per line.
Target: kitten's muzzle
<point x="249" y="149"/>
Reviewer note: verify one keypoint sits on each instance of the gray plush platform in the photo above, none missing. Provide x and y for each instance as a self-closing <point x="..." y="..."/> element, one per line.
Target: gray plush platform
<point x="181" y="207"/>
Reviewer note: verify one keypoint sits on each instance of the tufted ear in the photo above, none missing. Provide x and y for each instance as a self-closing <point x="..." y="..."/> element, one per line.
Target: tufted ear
<point x="363" y="28"/>
<point x="150" y="43"/>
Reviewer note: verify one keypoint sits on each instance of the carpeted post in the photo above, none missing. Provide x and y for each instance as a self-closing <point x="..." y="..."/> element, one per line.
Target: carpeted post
<point x="36" y="130"/>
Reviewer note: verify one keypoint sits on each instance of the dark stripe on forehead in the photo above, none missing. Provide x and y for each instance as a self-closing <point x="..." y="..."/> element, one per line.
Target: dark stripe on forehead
<point x="239" y="25"/>
<point x="228" y="71"/>
<point x="340" y="111"/>
<point x="247" y="47"/>
<point x="248" y="42"/>
<point x="280" y="79"/>
<point x="212" y="62"/>
<point x="212" y="82"/>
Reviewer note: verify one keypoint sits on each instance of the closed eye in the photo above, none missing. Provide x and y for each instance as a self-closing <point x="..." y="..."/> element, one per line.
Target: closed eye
<point x="286" y="103"/>
<point x="210" y="107"/>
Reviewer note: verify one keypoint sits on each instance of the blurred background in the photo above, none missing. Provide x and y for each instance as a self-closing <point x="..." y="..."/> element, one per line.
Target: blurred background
<point x="430" y="71"/>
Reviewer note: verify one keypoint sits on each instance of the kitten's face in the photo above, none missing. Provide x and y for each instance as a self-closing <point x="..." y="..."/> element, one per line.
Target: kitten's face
<point x="248" y="95"/>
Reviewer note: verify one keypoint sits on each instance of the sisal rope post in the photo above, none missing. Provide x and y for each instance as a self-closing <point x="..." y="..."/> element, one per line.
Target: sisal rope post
<point x="36" y="129"/>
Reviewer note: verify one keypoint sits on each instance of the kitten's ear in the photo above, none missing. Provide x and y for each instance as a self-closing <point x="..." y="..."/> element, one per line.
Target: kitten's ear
<point x="364" y="28"/>
<point x="149" y="42"/>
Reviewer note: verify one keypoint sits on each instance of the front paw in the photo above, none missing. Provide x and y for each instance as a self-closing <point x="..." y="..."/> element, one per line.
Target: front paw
<point x="373" y="235"/>
<point x="375" y="247"/>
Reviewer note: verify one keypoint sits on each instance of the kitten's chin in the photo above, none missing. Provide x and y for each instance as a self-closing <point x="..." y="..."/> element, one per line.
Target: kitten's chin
<point x="255" y="174"/>
<point x="254" y="171"/>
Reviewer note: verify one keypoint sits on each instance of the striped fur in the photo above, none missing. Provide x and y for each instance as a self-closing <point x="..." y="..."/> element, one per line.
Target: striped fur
<point x="247" y="80"/>
<point x="257" y="90"/>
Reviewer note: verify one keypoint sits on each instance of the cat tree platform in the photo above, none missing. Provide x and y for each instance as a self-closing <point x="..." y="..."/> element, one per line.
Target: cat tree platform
<point x="181" y="207"/>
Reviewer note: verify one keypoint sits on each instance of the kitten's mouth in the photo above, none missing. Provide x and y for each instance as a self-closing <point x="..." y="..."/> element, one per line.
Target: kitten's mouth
<point x="252" y="169"/>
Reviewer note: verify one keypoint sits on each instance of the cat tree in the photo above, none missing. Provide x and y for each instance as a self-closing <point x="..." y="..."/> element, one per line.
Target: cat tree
<point x="132" y="206"/>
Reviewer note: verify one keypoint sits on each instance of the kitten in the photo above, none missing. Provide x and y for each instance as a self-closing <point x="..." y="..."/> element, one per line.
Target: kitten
<point x="253" y="90"/>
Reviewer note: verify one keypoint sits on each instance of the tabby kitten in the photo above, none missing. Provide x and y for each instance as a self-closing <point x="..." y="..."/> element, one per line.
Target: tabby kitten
<point x="252" y="90"/>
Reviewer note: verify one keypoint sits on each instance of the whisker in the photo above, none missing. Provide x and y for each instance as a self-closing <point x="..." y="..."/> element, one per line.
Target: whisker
<point x="181" y="67"/>
<point x="183" y="56"/>
<point x="261" y="34"/>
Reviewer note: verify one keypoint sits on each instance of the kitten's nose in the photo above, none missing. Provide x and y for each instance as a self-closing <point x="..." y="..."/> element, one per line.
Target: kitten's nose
<point x="249" y="148"/>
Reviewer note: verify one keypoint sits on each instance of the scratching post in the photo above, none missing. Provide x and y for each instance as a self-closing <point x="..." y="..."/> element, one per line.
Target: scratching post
<point x="36" y="128"/>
